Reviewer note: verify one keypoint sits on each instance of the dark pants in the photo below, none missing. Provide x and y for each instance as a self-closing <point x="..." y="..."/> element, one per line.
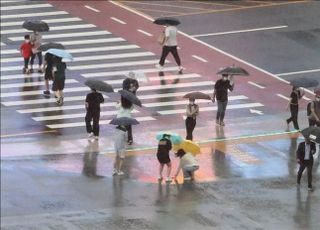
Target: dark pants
<point x="306" y="164"/>
<point x="294" y="109"/>
<point x="92" y="116"/>
<point x="313" y="123"/>
<point x="129" y="129"/>
<point x="222" y="106"/>
<point x="169" y="49"/>
<point x="39" y="58"/>
<point x="26" y="62"/>
<point x="190" y="124"/>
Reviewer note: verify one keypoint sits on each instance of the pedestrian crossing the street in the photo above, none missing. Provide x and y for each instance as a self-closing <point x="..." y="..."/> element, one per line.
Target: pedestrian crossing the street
<point x="99" y="55"/>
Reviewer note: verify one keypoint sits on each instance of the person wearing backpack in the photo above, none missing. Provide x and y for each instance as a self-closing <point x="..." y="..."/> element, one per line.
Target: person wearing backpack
<point x="295" y="96"/>
<point x="313" y="111"/>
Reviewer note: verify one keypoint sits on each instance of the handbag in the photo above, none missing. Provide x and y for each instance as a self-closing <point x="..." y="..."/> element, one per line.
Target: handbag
<point x="161" y="38"/>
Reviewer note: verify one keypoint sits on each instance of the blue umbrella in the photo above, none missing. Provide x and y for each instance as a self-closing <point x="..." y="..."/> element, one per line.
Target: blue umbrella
<point x="174" y="137"/>
<point x="60" y="53"/>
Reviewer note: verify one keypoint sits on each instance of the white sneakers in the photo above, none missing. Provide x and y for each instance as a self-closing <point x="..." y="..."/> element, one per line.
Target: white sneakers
<point x="90" y="135"/>
<point x="116" y="172"/>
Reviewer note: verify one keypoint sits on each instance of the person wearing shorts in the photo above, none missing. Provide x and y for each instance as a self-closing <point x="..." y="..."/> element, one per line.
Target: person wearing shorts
<point x="188" y="164"/>
<point x="120" y="148"/>
<point x="48" y="65"/>
<point x="164" y="148"/>
<point x="59" y="78"/>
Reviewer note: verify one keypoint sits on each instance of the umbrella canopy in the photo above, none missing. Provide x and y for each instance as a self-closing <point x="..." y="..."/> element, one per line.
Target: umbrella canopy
<point x="312" y="133"/>
<point x="35" y="25"/>
<point x="60" y="53"/>
<point x="167" y="21"/>
<point x="173" y="137"/>
<point x="124" y="121"/>
<point x="197" y="95"/>
<point x="99" y="85"/>
<point x="233" y="70"/>
<point x="130" y="97"/>
<point x="188" y="146"/>
<point x="304" y="82"/>
<point x="51" y="45"/>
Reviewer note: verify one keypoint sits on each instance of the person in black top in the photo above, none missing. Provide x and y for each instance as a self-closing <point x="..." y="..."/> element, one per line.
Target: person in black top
<point x="48" y="65"/>
<point x="93" y="101"/>
<point x="305" y="152"/>
<point x="59" y="77"/>
<point x="220" y="93"/>
<point x="130" y="84"/>
<point x="295" y="96"/>
<point x="164" y="148"/>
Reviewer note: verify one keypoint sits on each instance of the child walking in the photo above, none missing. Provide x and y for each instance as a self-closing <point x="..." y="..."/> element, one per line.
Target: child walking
<point x="120" y="148"/>
<point x="164" y="148"/>
<point x="188" y="164"/>
<point x="26" y="53"/>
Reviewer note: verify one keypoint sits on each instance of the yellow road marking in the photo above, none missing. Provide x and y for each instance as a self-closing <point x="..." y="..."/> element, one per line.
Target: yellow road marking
<point x="243" y="8"/>
<point x="162" y="11"/>
<point x="25" y="134"/>
<point x="164" y="5"/>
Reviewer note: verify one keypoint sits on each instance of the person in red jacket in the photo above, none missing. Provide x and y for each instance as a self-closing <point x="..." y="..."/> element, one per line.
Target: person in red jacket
<point x="26" y="53"/>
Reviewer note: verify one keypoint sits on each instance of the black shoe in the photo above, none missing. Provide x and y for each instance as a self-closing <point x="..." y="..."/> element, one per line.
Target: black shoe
<point x="31" y="71"/>
<point x="46" y="92"/>
<point x="40" y="71"/>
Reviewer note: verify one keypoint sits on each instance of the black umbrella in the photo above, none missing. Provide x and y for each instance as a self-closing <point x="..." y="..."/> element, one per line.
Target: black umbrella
<point x="99" y="85"/>
<point x="197" y="95"/>
<point x="312" y="133"/>
<point x="51" y="45"/>
<point x="304" y="82"/>
<point x="124" y="121"/>
<point x="34" y="25"/>
<point x="130" y="97"/>
<point x="167" y="21"/>
<point x="233" y="70"/>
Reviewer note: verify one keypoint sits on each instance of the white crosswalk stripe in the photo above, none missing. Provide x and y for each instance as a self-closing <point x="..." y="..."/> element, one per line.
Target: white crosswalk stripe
<point x="49" y="21"/>
<point x="97" y="54"/>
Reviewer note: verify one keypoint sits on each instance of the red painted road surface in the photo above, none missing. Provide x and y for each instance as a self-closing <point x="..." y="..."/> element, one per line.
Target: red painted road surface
<point x="189" y="46"/>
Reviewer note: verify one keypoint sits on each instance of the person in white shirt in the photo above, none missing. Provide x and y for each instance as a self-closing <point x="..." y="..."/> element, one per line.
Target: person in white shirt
<point x="188" y="164"/>
<point x="170" y="46"/>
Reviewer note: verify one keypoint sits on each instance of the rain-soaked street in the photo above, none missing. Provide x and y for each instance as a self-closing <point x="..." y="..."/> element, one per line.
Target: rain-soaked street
<point x="54" y="178"/>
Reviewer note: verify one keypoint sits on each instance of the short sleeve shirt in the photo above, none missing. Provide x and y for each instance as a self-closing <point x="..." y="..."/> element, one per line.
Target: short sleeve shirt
<point x="94" y="100"/>
<point x="26" y="49"/>
<point x="171" y="34"/>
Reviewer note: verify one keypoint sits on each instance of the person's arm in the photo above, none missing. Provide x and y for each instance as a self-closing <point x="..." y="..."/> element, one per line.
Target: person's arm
<point x="101" y="98"/>
<point x="313" y="111"/>
<point x="231" y="84"/>
<point x="87" y="102"/>
<point x="188" y="111"/>
<point x="169" y="145"/>
<point x="313" y="149"/>
<point x="299" y="152"/>
<point x="196" y="112"/>
<point x="178" y="170"/>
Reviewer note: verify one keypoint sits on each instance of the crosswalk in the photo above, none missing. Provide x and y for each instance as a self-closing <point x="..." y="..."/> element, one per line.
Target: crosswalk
<point x="97" y="54"/>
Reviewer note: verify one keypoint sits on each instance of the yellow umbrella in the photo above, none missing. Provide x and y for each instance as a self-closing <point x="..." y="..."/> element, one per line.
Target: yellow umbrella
<point x="188" y="146"/>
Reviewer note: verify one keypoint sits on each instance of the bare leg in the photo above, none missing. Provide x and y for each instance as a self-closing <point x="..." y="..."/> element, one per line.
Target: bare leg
<point x="115" y="164"/>
<point x="120" y="163"/>
<point x="168" y="170"/>
<point x="46" y="82"/>
<point x="160" y="170"/>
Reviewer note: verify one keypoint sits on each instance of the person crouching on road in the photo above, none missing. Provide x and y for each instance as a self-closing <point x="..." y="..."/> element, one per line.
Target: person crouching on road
<point x="191" y="120"/>
<point x="164" y="148"/>
<point x="305" y="152"/>
<point x="188" y="164"/>
<point x="120" y="149"/>
<point x="93" y="101"/>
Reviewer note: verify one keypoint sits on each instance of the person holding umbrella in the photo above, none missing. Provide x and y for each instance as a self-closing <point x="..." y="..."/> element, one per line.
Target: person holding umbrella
<point x="305" y="152"/>
<point x="169" y="42"/>
<point x="192" y="112"/>
<point x="36" y="41"/>
<point x="130" y="84"/>
<point x="48" y="65"/>
<point x="164" y="147"/>
<point x="93" y="101"/>
<point x="120" y="141"/>
<point x="295" y="96"/>
<point x="59" y="77"/>
<point x="220" y="94"/>
<point x="314" y="117"/>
